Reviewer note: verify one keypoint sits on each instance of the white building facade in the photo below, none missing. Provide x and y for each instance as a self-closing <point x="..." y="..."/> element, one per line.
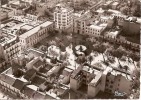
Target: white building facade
<point x="63" y="17"/>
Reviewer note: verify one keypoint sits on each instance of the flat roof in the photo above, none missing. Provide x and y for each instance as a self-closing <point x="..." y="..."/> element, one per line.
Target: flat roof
<point x="96" y="79"/>
<point x="27" y="27"/>
<point x="33" y="87"/>
<point x="113" y="33"/>
<point x="114" y="11"/>
<point x="96" y="27"/>
<point x="68" y="70"/>
<point x="105" y="17"/>
<point x="35" y="30"/>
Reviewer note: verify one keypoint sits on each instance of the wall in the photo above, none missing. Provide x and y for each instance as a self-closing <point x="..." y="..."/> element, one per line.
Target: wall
<point x="93" y="90"/>
<point x="74" y="84"/>
<point x="30" y="64"/>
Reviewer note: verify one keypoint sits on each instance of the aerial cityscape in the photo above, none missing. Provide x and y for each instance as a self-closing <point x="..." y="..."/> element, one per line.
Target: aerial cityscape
<point x="70" y="49"/>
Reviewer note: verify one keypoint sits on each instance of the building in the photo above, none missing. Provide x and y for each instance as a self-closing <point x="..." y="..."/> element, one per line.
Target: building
<point x="115" y="80"/>
<point x="63" y="17"/>
<point x="114" y="5"/>
<point x="35" y="35"/>
<point x="130" y="26"/>
<point x="80" y="20"/>
<point x="2" y="64"/>
<point x="95" y="28"/>
<point x="9" y="47"/>
<point x="77" y="3"/>
<point x="9" y="11"/>
<point x="51" y="4"/>
<point x="94" y="86"/>
<point x="107" y="19"/>
<point x="112" y="33"/>
<point x="4" y="15"/>
<point x="21" y="32"/>
<point x="17" y="6"/>
<point x="11" y="84"/>
<point x="110" y="80"/>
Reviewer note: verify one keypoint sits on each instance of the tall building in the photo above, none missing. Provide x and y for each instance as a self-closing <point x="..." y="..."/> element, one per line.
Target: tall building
<point x="110" y="80"/>
<point x="63" y="17"/>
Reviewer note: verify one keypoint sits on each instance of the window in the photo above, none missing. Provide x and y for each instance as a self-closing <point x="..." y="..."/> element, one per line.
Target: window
<point x="107" y="80"/>
<point x="111" y="86"/>
<point x="112" y="82"/>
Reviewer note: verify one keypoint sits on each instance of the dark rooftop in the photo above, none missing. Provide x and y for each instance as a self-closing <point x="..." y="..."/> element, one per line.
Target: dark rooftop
<point x="37" y="80"/>
<point x="29" y="74"/>
<point x="7" y="79"/>
<point x="1" y="60"/>
<point x="38" y="63"/>
<point x="18" y="84"/>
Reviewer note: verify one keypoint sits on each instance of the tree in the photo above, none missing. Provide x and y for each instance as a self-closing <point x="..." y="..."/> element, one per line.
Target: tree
<point x="135" y="57"/>
<point x="81" y="59"/>
<point x="100" y="48"/>
<point x="43" y="48"/>
<point x="126" y="68"/>
<point x="116" y="53"/>
<point x="124" y="10"/>
<point x="90" y="59"/>
<point x="136" y="76"/>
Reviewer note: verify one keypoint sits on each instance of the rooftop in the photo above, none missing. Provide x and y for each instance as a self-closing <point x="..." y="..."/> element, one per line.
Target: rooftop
<point x="113" y="33"/>
<point x="62" y="8"/>
<point x="95" y="81"/>
<point x="98" y="26"/>
<point x="35" y="30"/>
<point x="38" y="63"/>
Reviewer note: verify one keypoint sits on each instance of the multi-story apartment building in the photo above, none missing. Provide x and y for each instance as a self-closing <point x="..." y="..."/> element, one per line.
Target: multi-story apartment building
<point x="4" y="15"/>
<point x="2" y="64"/>
<point x="115" y="80"/>
<point x="9" y="11"/>
<point x="21" y="32"/>
<point x="63" y="17"/>
<point x="110" y="80"/>
<point x="9" y="47"/>
<point x="80" y="20"/>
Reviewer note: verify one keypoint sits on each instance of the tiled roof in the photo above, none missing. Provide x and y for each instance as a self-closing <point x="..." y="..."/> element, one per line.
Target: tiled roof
<point x="28" y="91"/>
<point x="18" y="84"/>
<point x="7" y="79"/>
<point x="39" y="95"/>
<point x="29" y="74"/>
<point x="42" y="87"/>
<point x="37" y="80"/>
